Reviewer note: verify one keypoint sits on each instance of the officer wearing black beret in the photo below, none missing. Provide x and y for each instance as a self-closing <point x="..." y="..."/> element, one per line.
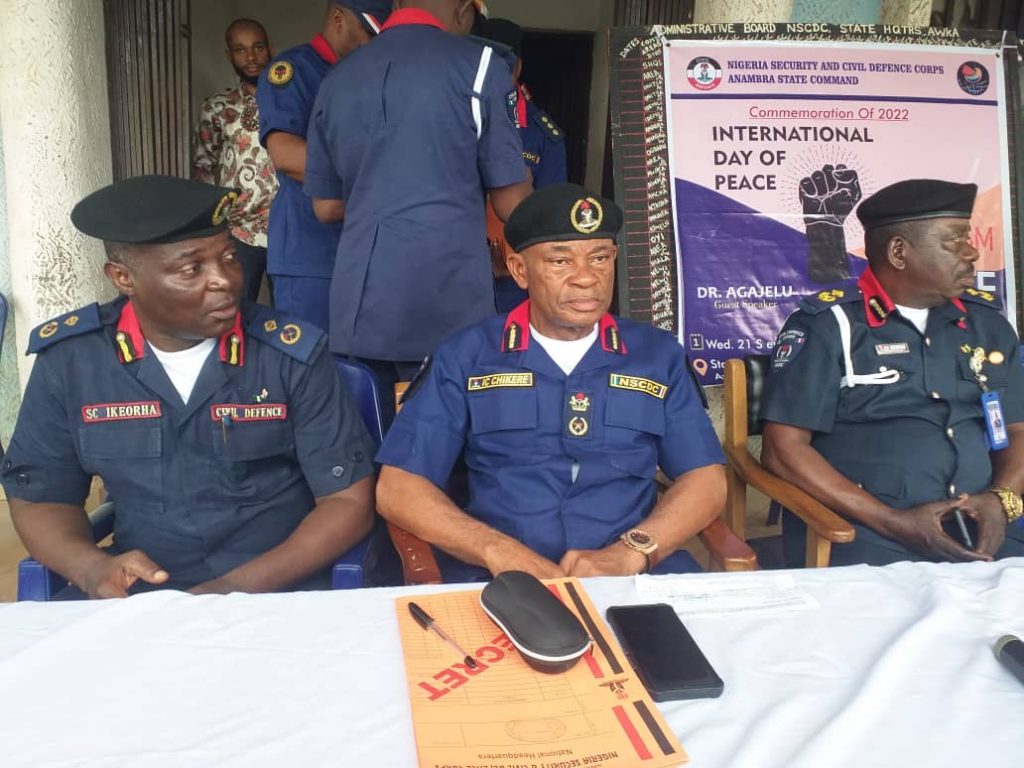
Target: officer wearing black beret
<point x="899" y="402"/>
<point x="562" y="413"/>
<point x="235" y="458"/>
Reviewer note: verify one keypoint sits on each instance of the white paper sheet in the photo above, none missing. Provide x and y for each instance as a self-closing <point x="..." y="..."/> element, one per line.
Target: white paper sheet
<point x="725" y="594"/>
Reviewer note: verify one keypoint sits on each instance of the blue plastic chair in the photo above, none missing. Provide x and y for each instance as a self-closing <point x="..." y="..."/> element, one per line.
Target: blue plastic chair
<point x="37" y="582"/>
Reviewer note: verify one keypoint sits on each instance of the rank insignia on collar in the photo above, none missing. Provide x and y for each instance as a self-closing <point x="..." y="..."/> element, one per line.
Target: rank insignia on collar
<point x="579" y="402"/>
<point x="578" y="426"/>
<point x="270" y="326"/>
<point x="983" y="295"/>
<point x="48" y="330"/>
<point x="877" y="308"/>
<point x="71" y="321"/>
<point x="512" y="337"/>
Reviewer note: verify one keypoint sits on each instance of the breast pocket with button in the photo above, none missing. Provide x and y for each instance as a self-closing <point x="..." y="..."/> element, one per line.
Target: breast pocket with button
<point x="128" y="455"/>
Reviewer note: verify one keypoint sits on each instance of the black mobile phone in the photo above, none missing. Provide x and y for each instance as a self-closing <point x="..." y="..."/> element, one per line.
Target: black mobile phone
<point x="663" y="653"/>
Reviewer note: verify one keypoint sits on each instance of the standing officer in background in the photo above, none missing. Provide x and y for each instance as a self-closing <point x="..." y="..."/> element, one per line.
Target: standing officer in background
<point x="562" y="413"/>
<point x="900" y="401"/>
<point x="543" y="151"/>
<point x="226" y="150"/>
<point x="301" y="250"/>
<point x="407" y="136"/>
<point x="236" y="459"/>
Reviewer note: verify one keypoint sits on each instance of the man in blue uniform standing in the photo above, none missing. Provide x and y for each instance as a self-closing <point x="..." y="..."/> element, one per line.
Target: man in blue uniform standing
<point x="301" y="249"/>
<point x="236" y="460"/>
<point x="406" y="137"/>
<point x="543" y="151"/>
<point x="900" y="403"/>
<point x="563" y="413"/>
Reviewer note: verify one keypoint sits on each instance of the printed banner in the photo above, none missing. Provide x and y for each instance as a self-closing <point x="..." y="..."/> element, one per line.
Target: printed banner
<point x="773" y="144"/>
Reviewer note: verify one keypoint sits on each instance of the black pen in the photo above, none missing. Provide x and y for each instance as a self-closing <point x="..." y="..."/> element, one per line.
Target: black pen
<point x="424" y="620"/>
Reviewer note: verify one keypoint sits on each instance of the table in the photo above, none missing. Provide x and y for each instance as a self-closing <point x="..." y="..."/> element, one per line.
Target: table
<point x="893" y="669"/>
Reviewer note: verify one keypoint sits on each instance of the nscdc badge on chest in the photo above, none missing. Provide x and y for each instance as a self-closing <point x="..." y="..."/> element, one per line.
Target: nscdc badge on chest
<point x="577" y="422"/>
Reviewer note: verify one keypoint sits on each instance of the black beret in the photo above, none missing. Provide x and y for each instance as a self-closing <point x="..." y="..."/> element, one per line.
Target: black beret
<point x="562" y="212"/>
<point x="917" y="199"/>
<point x="154" y="209"/>
<point x="503" y="31"/>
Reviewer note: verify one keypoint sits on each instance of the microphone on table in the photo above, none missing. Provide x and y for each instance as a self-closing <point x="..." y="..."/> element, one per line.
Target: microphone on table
<point x="1010" y="652"/>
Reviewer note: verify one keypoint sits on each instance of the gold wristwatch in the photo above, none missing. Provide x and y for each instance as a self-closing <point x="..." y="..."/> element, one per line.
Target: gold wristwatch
<point x="640" y="541"/>
<point x="1013" y="506"/>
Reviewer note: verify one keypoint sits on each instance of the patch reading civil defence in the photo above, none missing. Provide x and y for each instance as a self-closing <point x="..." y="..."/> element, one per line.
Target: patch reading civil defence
<point x="243" y="412"/>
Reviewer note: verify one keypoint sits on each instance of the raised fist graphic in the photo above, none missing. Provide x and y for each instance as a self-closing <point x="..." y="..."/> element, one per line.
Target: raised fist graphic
<point x="828" y="196"/>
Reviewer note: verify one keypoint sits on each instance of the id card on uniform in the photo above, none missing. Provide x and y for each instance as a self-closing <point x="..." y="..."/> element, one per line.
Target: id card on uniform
<point x="995" y="424"/>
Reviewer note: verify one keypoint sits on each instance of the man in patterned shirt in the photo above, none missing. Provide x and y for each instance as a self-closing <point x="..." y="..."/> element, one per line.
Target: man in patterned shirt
<point x="227" y="149"/>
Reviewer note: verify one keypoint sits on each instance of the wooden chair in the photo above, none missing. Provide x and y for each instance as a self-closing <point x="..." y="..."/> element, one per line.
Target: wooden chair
<point x="744" y="382"/>
<point x="727" y="550"/>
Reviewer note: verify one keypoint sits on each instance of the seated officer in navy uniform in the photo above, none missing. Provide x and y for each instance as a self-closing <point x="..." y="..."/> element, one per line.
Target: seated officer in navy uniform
<point x="877" y="396"/>
<point x="300" y="255"/>
<point x="235" y="458"/>
<point x="562" y="413"/>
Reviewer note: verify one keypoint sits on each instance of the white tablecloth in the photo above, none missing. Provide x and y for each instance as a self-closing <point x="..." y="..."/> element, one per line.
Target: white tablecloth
<point x="893" y="669"/>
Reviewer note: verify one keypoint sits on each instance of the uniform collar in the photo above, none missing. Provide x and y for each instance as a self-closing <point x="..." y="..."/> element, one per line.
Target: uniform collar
<point x="524" y="96"/>
<point x="131" y="344"/>
<point x="323" y="49"/>
<point x="405" y="16"/>
<point x="877" y="304"/>
<point x="516" y="335"/>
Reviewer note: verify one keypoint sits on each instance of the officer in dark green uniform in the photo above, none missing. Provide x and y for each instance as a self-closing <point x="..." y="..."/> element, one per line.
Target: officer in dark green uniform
<point x="900" y="403"/>
<point x="235" y="458"/>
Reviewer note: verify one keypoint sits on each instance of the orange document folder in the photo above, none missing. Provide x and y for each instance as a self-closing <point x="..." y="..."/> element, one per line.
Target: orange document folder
<point x="504" y="714"/>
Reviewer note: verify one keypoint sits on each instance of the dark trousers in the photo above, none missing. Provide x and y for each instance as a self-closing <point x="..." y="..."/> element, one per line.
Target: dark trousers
<point x="254" y="265"/>
<point x="389" y="373"/>
<point x="871" y="548"/>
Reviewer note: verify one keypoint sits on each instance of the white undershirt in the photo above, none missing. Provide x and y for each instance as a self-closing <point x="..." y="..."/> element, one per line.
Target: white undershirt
<point x="183" y="367"/>
<point x="919" y="317"/>
<point x="566" y="354"/>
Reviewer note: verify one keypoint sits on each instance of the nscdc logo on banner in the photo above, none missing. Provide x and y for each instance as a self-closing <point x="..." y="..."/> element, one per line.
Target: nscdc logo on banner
<point x="704" y="73"/>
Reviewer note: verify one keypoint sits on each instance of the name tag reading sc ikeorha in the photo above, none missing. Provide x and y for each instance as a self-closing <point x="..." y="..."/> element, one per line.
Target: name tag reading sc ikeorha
<point x="995" y="424"/>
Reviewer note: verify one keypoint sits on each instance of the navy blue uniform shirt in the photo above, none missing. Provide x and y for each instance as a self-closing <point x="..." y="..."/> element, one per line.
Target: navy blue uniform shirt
<point x="921" y="438"/>
<point x="200" y="487"/>
<point x="298" y="244"/>
<point x="557" y="462"/>
<point x="410" y="131"/>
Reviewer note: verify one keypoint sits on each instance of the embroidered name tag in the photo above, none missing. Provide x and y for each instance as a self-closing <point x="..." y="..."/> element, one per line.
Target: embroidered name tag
<point x="243" y="412"/>
<point x="149" y="409"/>
<point x="901" y="348"/>
<point x="495" y="380"/>
<point x="635" y="383"/>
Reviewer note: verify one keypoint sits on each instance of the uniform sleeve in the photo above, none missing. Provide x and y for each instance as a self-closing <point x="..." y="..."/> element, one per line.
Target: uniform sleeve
<point x="500" y="149"/>
<point x="552" y="168"/>
<point x="331" y="442"/>
<point x="321" y="178"/>
<point x="689" y="441"/>
<point x="283" y="107"/>
<point x="206" y="145"/>
<point x="42" y="462"/>
<point x="802" y="389"/>
<point x="429" y="433"/>
<point x="1013" y="405"/>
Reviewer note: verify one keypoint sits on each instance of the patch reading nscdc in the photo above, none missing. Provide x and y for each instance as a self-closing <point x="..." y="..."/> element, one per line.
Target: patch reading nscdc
<point x="496" y="380"/>
<point x="788" y="346"/>
<point x="637" y="384"/>
<point x="245" y="412"/>
<point x="98" y="412"/>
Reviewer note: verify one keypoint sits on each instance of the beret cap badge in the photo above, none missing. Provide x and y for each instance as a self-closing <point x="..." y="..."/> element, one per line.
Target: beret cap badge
<point x="586" y="215"/>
